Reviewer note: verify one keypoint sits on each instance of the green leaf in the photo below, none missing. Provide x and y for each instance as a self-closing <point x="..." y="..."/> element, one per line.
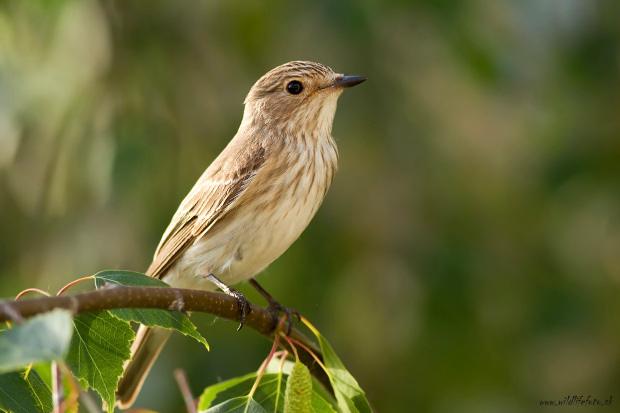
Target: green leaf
<point x="210" y="393"/>
<point x="42" y="338"/>
<point x="238" y="405"/>
<point x="99" y="348"/>
<point x="172" y="320"/>
<point x="350" y="396"/>
<point x="232" y="396"/>
<point x="24" y="392"/>
<point x="127" y="278"/>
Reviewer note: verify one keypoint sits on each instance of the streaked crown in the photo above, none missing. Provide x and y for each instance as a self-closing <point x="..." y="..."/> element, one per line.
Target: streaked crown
<point x="276" y="79"/>
<point x="296" y="90"/>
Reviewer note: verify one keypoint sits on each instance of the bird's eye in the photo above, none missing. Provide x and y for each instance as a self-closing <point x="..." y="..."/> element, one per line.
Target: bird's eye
<point x="294" y="88"/>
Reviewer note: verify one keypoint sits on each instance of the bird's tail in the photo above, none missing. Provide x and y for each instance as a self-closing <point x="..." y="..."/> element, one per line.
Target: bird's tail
<point x="144" y="351"/>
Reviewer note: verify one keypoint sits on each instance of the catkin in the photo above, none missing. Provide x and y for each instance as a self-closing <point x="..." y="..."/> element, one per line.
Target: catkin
<point x="298" y="394"/>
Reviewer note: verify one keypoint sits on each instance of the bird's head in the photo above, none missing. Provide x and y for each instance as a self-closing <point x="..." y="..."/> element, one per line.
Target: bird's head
<point x="297" y="94"/>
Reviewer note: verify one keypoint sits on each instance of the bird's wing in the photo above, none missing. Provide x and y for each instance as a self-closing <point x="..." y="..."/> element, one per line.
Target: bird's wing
<point x="214" y="194"/>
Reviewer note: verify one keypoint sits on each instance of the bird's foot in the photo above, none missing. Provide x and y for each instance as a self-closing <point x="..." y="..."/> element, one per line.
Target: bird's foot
<point x="245" y="307"/>
<point x="276" y="308"/>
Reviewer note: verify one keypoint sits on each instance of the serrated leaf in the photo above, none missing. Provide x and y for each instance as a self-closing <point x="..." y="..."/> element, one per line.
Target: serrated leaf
<point x="127" y="278"/>
<point x="160" y="318"/>
<point x="24" y="392"/>
<point x="99" y="349"/>
<point x="232" y="394"/>
<point x="172" y="320"/>
<point x="42" y="338"/>
<point x="350" y="396"/>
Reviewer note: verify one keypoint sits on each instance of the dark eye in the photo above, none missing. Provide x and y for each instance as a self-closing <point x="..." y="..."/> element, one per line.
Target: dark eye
<point x="294" y="87"/>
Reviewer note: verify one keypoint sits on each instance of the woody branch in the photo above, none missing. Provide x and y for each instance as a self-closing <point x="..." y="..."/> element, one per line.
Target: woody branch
<point x="163" y="298"/>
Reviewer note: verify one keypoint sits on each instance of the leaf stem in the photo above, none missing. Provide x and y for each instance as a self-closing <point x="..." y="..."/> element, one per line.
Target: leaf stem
<point x="290" y="342"/>
<point x="32" y="290"/>
<point x="263" y="366"/>
<point x="316" y="358"/>
<point x="72" y="283"/>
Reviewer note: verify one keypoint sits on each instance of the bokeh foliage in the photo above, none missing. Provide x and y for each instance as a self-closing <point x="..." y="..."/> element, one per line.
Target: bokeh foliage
<point x="467" y="257"/>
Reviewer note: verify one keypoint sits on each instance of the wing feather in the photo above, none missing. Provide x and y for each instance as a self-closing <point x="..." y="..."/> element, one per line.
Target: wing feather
<point x="215" y="193"/>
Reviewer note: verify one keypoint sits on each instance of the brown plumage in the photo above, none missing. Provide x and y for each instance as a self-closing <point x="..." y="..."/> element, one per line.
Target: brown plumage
<point x="255" y="199"/>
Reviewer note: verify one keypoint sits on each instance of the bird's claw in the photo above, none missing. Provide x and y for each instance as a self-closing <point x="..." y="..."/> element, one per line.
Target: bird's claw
<point x="245" y="307"/>
<point x="276" y="308"/>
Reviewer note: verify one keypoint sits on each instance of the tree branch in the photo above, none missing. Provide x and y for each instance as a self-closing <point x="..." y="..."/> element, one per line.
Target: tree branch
<point x="171" y="299"/>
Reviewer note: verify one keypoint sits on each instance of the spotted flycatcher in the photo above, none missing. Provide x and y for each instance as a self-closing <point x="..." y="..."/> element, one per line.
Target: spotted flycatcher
<point x="254" y="200"/>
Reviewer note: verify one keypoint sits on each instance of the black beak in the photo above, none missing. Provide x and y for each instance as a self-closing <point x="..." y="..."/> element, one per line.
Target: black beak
<point x="343" y="82"/>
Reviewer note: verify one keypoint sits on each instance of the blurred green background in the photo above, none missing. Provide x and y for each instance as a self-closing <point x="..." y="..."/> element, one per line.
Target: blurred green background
<point x="467" y="257"/>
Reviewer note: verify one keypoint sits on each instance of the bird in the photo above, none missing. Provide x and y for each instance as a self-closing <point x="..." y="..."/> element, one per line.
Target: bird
<point x="253" y="201"/>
